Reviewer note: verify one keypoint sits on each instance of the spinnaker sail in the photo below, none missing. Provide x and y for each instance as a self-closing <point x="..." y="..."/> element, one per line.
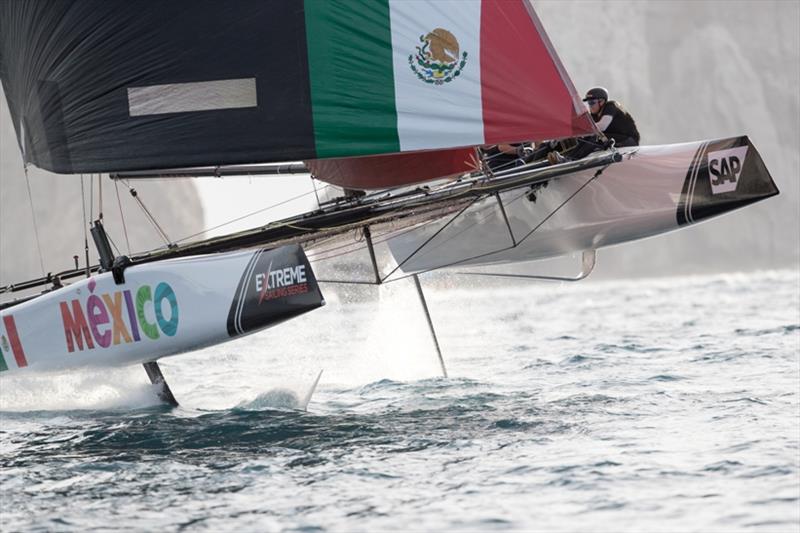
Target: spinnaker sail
<point x="114" y="85"/>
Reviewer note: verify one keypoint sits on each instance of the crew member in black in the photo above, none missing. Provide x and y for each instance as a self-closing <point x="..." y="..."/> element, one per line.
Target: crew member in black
<point x="505" y="156"/>
<point x="612" y="119"/>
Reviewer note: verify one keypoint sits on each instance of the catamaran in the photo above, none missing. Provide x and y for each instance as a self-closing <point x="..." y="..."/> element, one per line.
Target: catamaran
<point x="390" y="100"/>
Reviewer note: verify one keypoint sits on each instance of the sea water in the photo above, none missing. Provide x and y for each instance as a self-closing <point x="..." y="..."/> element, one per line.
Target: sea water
<point x="651" y="405"/>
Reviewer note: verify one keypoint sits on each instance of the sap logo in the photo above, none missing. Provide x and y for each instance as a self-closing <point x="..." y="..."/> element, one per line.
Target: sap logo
<point x="119" y="317"/>
<point x="280" y="283"/>
<point x="725" y="168"/>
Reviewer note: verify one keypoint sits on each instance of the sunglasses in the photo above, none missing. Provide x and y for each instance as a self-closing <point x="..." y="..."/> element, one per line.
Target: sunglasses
<point x="592" y="101"/>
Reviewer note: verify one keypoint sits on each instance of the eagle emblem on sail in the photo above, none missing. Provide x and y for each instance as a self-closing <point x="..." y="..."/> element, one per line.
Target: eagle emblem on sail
<point x="437" y="60"/>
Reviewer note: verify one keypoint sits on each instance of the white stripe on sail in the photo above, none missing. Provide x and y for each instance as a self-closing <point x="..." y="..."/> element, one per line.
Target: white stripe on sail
<point x="450" y="113"/>
<point x="194" y="96"/>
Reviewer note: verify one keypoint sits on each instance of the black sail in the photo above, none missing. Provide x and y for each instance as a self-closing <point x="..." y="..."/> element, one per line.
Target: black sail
<point x="102" y="85"/>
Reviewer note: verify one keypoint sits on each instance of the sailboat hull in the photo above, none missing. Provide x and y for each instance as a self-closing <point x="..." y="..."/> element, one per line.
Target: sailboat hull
<point x="653" y="190"/>
<point x="161" y="309"/>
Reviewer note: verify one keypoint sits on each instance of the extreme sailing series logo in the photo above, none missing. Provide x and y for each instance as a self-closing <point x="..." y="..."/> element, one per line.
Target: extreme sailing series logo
<point x="281" y="283"/>
<point x="437" y="60"/>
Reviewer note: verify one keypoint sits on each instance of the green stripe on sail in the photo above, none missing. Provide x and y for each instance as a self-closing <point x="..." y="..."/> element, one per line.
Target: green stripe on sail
<point x="351" y="76"/>
<point x="3" y="365"/>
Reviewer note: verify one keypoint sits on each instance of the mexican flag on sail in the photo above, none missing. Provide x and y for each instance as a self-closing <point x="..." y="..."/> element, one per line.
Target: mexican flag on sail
<point x="403" y="75"/>
<point x="128" y="85"/>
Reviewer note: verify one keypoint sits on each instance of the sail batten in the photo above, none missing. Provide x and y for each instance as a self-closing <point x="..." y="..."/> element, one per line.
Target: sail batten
<point x="122" y="85"/>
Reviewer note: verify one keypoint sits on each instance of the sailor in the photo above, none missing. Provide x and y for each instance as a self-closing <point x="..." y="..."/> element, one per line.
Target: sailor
<point x="610" y="118"/>
<point x="504" y="156"/>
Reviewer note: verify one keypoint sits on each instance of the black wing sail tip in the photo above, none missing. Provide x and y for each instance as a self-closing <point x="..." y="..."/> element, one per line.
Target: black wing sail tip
<point x="724" y="175"/>
<point x="276" y="285"/>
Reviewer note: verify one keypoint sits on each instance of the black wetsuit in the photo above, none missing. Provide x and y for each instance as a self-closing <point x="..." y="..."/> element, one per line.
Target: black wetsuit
<point x="620" y="126"/>
<point x="615" y="123"/>
<point x="498" y="160"/>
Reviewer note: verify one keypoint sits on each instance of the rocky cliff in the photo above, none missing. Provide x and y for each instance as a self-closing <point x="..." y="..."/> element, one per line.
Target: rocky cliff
<point x="698" y="70"/>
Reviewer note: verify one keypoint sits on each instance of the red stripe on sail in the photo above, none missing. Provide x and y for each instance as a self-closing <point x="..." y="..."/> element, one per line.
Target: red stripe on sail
<point x="524" y="94"/>
<point x="391" y="170"/>
<point x="13" y="338"/>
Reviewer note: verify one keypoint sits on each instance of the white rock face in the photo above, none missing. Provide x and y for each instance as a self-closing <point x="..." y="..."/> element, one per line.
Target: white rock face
<point x="698" y="70"/>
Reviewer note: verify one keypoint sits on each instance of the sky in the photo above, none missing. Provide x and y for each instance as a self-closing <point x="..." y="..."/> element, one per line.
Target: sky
<point x="227" y="199"/>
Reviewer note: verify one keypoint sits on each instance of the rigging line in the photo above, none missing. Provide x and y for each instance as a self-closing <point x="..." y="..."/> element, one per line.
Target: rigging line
<point x="570" y="197"/>
<point x="420" y="247"/>
<point x="100" y="196"/>
<point x="480" y="211"/>
<point x="113" y="243"/>
<point x="532" y="231"/>
<point x="388" y="235"/>
<point x="149" y="215"/>
<point x="91" y="199"/>
<point x="486" y="254"/>
<point x="289" y="224"/>
<point x="85" y="225"/>
<point x="248" y="215"/>
<point x="340" y="227"/>
<point x="327" y="254"/>
<point x="122" y="217"/>
<point x="324" y="254"/>
<point x="314" y="184"/>
<point x="354" y="225"/>
<point x="33" y="216"/>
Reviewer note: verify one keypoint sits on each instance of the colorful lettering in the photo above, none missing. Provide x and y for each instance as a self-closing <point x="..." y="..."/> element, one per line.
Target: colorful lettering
<point x="132" y="316"/>
<point x="143" y="295"/>
<point x="75" y="326"/>
<point x="104" y="324"/>
<point x="16" y="346"/>
<point x="165" y="292"/>
<point x="98" y="316"/>
<point x="115" y="308"/>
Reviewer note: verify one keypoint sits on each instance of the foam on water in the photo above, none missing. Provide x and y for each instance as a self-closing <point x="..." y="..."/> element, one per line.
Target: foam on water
<point x="92" y="389"/>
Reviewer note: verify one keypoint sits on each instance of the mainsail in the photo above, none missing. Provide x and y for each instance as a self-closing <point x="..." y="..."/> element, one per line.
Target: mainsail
<point x="110" y="85"/>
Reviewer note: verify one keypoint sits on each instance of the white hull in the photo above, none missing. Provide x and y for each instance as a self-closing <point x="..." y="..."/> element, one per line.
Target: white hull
<point x="162" y="308"/>
<point x="653" y="190"/>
